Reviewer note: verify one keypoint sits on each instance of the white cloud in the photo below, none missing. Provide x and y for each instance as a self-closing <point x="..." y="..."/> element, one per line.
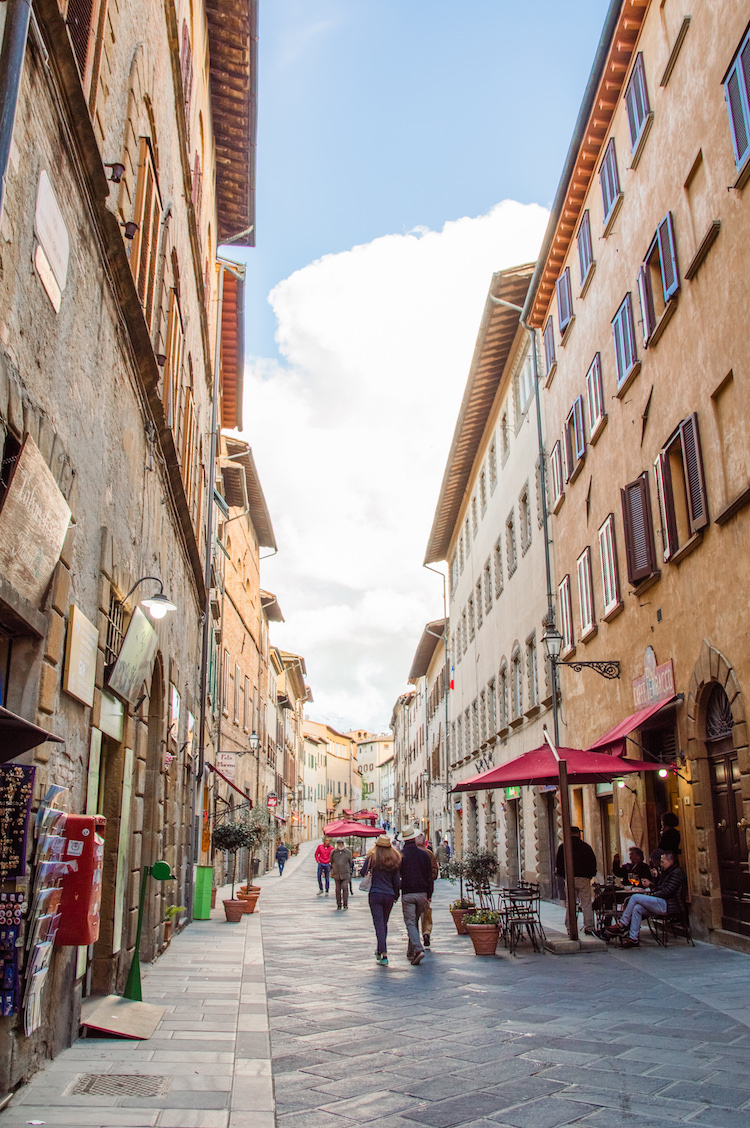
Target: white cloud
<point x="351" y="431"/>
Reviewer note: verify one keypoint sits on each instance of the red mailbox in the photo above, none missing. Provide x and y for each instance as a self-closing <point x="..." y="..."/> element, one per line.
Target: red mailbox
<point x="83" y="859"/>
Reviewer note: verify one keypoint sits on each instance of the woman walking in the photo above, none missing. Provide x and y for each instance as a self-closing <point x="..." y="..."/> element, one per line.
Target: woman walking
<point x="383" y="863"/>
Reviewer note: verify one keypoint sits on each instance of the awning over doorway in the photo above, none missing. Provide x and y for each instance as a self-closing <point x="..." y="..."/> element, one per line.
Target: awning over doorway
<point x="18" y="736"/>
<point x="615" y="739"/>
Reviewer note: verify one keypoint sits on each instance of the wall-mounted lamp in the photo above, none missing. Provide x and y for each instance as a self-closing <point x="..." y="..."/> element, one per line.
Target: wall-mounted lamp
<point x="157" y="605"/>
<point x="130" y="228"/>
<point x="118" y="171"/>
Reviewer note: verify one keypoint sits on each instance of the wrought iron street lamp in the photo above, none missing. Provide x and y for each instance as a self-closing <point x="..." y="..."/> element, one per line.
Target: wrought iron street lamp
<point x="553" y="641"/>
<point x="157" y="605"/>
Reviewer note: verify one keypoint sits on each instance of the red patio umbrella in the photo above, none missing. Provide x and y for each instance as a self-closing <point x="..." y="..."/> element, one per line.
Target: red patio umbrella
<point x="541" y="767"/>
<point x="345" y="828"/>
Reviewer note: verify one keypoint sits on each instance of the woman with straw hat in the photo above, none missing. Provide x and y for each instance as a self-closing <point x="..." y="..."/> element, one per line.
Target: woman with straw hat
<point x="382" y="866"/>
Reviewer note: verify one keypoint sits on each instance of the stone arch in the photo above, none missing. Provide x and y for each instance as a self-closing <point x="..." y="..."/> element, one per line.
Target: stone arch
<point x="712" y="669"/>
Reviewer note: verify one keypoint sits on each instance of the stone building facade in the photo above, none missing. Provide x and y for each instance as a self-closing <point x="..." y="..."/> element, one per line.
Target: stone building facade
<point x="638" y="296"/>
<point x="113" y="205"/>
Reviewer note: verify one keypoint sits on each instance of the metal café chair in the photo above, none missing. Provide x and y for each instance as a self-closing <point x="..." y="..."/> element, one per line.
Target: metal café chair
<point x="521" y="912"/>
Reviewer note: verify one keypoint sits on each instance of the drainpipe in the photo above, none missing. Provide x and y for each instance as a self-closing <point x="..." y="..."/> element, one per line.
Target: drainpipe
<point x="15" y="33"/>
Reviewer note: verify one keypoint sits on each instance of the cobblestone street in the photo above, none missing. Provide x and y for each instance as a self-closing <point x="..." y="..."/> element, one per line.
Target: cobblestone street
<point x="650" y="1038"/>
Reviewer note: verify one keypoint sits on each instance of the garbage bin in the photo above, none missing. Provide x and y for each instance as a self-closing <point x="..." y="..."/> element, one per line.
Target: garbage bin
<point x="202" y="898"/>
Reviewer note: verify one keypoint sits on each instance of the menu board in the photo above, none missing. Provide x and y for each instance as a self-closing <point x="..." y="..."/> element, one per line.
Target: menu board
<point x="16" y="790"/>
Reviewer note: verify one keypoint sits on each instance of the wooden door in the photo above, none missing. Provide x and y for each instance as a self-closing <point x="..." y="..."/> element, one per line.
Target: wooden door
<point x="731" y="846"/>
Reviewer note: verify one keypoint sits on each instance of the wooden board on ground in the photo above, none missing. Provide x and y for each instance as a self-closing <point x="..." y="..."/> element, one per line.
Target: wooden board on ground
<point x="113" y="1015"/>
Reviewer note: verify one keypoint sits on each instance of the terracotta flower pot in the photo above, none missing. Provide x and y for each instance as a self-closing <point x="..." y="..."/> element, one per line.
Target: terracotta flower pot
<point x="250" y="902"/>
<point x="167" y="931"/>
<point x="458" y="919"/>
<point x="233" y="911"/>
<point x="484" y="937"/>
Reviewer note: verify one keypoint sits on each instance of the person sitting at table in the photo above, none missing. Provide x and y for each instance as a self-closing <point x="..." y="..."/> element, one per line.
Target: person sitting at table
<point x="665" y="897"/>
<point x="637" y="867"/>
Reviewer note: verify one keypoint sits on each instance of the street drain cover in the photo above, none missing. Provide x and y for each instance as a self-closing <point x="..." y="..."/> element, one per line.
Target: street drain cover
<point x="120" y="1084"/>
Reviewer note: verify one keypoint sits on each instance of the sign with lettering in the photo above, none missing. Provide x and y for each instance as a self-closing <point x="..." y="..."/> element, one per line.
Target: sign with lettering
<point x="16" y="789"/>
<point x="51" y="230"/>
<point x="657" y="683"/>
<point x="81" y="650"/>
<point x="226" y="763"/>
<point x="272" y="800"/>
<point x="33" y="522"/>
<point x="133" y="665"/>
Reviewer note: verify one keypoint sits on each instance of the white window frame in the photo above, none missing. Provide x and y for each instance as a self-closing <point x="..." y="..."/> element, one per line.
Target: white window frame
<point x="585" y="593"/>
<point x="566" y="615"/>
<point x="557" y="475"/>
<point x="595" y="398"/>
<point x="608" y="558"/>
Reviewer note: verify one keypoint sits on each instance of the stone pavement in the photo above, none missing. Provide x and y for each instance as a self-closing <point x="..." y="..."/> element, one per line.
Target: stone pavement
<point x="650" y="1037"/>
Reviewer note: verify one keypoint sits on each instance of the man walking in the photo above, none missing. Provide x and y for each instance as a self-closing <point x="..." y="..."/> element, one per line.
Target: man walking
<point x="584" y="868"/>
<point x="426" y="918"/>
<point x="341" y="860"/>
<point x="282" y="853"/>
<point x="323" y="858"/>
<point x="416" y="889"/>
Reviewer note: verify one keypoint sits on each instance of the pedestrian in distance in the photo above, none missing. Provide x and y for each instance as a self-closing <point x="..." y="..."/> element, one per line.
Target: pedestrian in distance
<point x="323" y="858"/>
<point x="341" y="869"/>
<point x="417" y="884"/>
<point x="442" y="856"/>
<point x="584" y="869"/>
<point x="426" y="918"/>
<point x="383" y="865"/>
<point x="282" y="853"/>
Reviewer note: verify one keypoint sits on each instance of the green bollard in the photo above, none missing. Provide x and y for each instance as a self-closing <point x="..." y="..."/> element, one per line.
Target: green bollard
<point x="160" y="871"/>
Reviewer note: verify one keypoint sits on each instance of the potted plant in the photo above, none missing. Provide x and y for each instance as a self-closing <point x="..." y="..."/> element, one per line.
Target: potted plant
<point x="480" y="867"/>
<point x="483" y="927"/>
<point x="258" y="823"/>
<point x="170" y="914"/>
<point x="232" y="837"/>
<point x="459" y="910"/>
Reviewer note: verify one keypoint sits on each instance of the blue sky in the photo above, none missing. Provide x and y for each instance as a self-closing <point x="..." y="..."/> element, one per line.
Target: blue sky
<point x="406" y="151"/>
<point x="377" y="116"/>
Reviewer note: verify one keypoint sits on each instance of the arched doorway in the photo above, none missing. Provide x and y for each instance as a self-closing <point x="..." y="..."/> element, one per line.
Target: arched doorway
<point x="729" y="823"/>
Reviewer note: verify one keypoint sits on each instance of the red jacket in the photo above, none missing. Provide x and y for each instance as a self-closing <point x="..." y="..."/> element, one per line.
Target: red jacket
<point x="323" y="854"/>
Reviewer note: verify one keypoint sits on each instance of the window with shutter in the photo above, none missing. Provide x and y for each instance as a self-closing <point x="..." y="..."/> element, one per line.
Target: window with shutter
<point x="737" y="93"/>
<point x="566" y="615"/>
<point x="487" y="587"/>
<point x="549" y="347"/>
<point x="658" y="278"/>
<point x="564" y="300"/>
<point x="623" y="333"/>
<point x="492" y="464"/>
<point x="478" y="602"/>
<point x="610" y="573"/>
<point x="85" y="21"/>
<point x="681" y="486"/>
<point x="640" y="549"/>
<point x="636" y="101"/>
<point x="575" y="440"/>
<point x="498" y="554"/>
<point x="609" y="180"/>
<point x="585" y="249"/>
<point x="186" y="70"/>
<point x="595" y="397"/>
<point x="144" y="249"/>
<point x="556" y="472"/>
<point x="585" y="592"/>
<point x="510" y="544"/>
<point x="187" y="461"/>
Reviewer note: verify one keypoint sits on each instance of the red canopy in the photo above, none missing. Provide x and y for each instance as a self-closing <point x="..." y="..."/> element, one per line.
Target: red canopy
<point x="345" y="828"/>
<point x="540" y="766"/>
<point x="615" y="738"/>
<point x="366" y="816"/>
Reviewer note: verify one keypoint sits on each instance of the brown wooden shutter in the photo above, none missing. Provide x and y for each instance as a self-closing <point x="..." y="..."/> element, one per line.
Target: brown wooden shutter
<point x="664" y="493"/>
<point x="647" y="303"/>
<point x="695" y="482"/>
<point x="640" y="549"/>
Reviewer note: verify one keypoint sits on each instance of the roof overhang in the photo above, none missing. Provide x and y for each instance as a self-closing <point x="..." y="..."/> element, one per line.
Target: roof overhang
<point x="233" y="76"/>
<point x="232" y="347"/>
<point x="496" y="334"/>
<point x="617" y="45"/>
<point x="432" y="634"/>
<point x="271" y="607"/>
<point x="241" y="455"/>
<point x="235" y="491"/>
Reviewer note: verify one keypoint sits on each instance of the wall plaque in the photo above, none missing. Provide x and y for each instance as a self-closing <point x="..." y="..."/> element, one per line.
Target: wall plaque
<point x="657" y="683"/>
<point x="135" y="659"/>
<point x="226" y="763"/>
<point x="81" y="650"/>
<point x="33" y="522"/>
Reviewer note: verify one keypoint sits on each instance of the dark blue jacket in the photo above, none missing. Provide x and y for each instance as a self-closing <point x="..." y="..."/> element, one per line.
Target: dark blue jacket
<point x="282" y="852"/>
<point x="387" y="882"/>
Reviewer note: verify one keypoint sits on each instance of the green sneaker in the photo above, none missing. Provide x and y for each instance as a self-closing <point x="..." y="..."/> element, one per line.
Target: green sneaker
<point x="383" y="960"/>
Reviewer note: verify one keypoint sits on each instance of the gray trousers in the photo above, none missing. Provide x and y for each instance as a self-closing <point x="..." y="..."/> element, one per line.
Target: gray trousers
<point x="639" y="906"/>
<point x="413" y="905"/>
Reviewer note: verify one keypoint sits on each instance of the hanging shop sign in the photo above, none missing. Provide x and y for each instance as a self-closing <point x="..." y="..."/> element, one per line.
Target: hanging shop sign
<point x="272" y="800"/>
<point x="33" y="522"/>
<point x="512" y="792"/>
<point x="133" y="664"/>
<point x="226" y="763"/>
<point x="657" y="683"/>
<point x="52" y="253"/>
<point x="79" y="675"/>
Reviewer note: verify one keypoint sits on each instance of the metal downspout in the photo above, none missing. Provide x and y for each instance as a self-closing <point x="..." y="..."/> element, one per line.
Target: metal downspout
<point x="12" y="55"/>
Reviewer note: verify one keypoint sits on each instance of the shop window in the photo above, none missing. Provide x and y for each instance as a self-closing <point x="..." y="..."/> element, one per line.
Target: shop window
<point x="658" y="278"/>
<point x="681" y="487"/>
<point x="640" y="550"/>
